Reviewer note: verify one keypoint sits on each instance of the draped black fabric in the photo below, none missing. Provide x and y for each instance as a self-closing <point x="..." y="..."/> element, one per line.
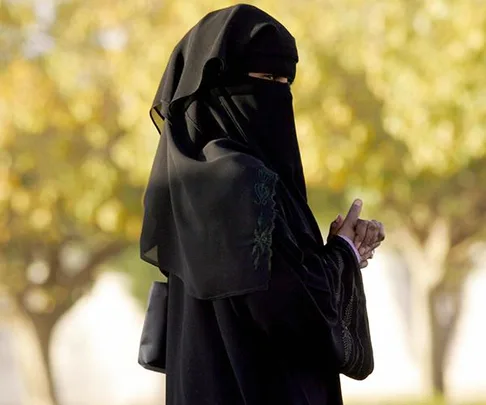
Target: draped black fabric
<point x="268" y="117"/>
<point x="210" y="203"/>
<point x="230" y="37"/>
<point x="260" y="311"/>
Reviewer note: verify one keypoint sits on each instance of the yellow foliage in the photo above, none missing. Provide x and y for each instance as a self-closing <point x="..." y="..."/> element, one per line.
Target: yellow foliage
<point x="108" y="215"/>
<point x="385" y="92"/>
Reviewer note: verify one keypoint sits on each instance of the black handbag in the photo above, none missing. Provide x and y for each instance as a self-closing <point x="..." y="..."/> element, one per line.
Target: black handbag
<point x="153" y="342"/>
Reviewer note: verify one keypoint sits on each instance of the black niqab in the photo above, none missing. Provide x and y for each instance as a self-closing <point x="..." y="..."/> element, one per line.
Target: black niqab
<point x="210" y="205"/>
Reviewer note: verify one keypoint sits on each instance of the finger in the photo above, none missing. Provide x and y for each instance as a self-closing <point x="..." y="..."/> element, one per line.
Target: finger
<point x="353" y="213"/>
<point x="377" y="240"/>
<point x="363" y="264"/>
<point x="338" y="221"/>
<point x="372" y="247"/>
<point x="368" y="255"/>
<point x="335" y="225"/>
<point x="360" y="233"/>
<point x="370" y="237"/>
<point x="381" y="231"/>
<point x="380" y="235"/>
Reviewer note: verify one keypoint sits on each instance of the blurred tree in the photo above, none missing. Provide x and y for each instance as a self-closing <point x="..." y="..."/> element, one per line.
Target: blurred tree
<point x="73" y="160"/>
<point x="390" y="107"/>
<point x="393" y="95"/>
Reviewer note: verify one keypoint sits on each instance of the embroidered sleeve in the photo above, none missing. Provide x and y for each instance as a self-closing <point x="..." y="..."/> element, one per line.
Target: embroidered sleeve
<point x="351" y="334"/>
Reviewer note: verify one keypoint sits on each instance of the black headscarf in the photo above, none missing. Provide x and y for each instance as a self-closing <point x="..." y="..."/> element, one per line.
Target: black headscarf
<point x="227" y="176"/>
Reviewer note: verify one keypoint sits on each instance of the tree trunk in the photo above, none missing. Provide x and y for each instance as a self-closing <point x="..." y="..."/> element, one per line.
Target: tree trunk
<point x="439" y="348"/>
<point x="445" y="308"/>
<point x="44" y="326"/>
<point x="427" y="262"/>
<point x="435" y="315"/>
<point x="421" y="328"/>
<point x="36" y="374"/>
<point x="34" y="324"/>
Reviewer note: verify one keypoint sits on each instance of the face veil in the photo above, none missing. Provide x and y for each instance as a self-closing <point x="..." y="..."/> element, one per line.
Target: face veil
<point x="265" y="109"/>
<point x="227" y="168"/>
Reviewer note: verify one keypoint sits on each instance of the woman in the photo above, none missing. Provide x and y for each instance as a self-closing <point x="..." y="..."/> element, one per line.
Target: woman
<point x="260" y="311"/>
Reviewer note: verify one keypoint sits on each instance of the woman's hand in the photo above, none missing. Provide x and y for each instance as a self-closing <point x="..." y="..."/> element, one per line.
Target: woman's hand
<point x="369" y="235"/>
<point x="348" y="226"/>
<point x="345" y="227"/>
<point x="365" y="235"/>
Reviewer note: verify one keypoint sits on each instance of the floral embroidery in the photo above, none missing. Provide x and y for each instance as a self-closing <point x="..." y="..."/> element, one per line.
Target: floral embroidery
<point x="345" y="324"/>
<point x="264" y="199"/>
<point x="262" y="193"/>
<point x="347" y="344"/>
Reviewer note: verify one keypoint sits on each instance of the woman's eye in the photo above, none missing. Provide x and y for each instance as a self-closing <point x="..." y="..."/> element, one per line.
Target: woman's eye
<point x="269" y="77"/>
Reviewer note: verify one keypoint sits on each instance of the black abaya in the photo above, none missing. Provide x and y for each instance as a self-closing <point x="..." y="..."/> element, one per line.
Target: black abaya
<point x="263" y="348"/>
<point x="259" y="310"/>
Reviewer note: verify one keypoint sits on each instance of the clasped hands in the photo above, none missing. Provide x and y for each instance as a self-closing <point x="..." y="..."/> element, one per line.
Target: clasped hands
<point x="365" y="235"/>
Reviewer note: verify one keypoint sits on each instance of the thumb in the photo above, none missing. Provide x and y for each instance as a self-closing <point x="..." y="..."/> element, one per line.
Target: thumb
<point x="353" y="213"/>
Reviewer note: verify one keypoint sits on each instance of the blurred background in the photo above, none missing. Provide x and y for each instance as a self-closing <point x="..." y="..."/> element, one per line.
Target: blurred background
<point x="390" y="102"/>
